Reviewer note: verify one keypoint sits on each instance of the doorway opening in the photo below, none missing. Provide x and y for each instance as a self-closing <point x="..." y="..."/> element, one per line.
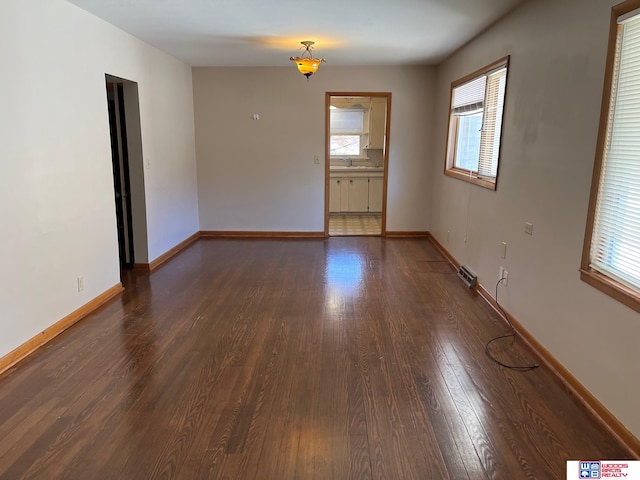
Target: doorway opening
<point x="357" y="146"/>
<point x="128" y="175"/>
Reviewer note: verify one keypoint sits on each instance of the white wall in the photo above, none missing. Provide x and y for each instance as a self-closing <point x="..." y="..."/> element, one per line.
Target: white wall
<point x="56" y="187"/>
<point x="554" y="91"/>
<point x="260" y="175"/>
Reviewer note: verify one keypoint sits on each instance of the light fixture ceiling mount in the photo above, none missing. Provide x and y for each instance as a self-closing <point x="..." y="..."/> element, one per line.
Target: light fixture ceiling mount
<point x="307" y="65"/>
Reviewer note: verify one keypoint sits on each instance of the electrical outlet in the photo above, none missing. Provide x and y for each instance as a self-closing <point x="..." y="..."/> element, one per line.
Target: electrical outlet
<point x="503" y="275"/>
<point x="80" y="283"/>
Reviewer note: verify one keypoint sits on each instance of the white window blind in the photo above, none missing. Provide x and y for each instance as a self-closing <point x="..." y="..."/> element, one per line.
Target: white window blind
<point x="615" y="244"/>
<point x="346" y="121"/>
<point x="470" y="93"/>
<point x="492" y="124"/>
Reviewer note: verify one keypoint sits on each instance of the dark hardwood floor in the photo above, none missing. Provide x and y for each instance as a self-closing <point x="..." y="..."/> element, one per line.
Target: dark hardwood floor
<point x="347" y="358"/>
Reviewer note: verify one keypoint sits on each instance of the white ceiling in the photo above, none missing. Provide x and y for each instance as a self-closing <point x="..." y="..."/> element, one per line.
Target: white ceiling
<point x="268" y="32"/>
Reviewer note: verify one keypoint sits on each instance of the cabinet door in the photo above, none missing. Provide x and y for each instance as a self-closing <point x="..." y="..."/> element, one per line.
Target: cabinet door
<point x="358" y="194"/>
<point x="344" y="194"/>
<point x="334" y="195"/>
<point x="377" y="120"/>
<point x="375" y="194"/>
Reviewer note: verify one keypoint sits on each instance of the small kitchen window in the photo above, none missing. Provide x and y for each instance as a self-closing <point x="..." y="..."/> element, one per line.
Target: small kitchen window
<point x="347" y="129"/>
<point x="475" y="125"/>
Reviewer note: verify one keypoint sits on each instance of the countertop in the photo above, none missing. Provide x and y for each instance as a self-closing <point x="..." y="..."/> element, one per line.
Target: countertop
<point x="345" y="169"/>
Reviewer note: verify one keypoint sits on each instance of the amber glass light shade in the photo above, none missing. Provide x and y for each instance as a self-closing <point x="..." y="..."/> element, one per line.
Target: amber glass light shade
<point x="307" y="65"/>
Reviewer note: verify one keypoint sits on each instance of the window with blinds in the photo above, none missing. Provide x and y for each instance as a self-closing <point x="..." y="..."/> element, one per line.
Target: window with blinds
<point x="347" y="128"/>
<point x="475" y="125"/>
<point x="611" y="257"/>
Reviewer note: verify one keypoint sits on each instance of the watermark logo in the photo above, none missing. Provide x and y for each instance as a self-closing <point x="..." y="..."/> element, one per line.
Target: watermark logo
<point x="589" y="469"/>
<point x="603" y="469"/>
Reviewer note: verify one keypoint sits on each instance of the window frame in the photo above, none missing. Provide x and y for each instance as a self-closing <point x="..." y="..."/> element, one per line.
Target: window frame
<point x="601" y="281"/>
<point x="453" y="127"/>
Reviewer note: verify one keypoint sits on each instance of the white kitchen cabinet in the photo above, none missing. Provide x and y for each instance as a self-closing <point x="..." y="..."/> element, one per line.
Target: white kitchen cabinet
<point x="375" y="194"/>
<point x="348" y="194"/>
<point x="335" y="195"/>
<point x="355" y="193"/>
<point x="377" y="119"/>
<point x="358" y="194"/>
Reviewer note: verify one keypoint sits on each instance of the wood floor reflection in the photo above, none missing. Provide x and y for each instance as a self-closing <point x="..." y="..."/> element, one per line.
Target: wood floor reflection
<point x="346" y="358"/>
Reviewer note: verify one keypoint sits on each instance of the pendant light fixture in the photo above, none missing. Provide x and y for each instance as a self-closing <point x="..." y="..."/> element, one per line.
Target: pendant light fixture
<point x="307" y="65"/>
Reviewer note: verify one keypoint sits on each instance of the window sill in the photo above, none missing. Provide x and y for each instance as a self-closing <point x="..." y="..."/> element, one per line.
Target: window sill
<point x="464" y="176"/>
<point x="608" y="286"/>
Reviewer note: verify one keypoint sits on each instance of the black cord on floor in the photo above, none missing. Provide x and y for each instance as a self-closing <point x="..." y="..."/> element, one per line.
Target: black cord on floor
<point x="512" y="334"/>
